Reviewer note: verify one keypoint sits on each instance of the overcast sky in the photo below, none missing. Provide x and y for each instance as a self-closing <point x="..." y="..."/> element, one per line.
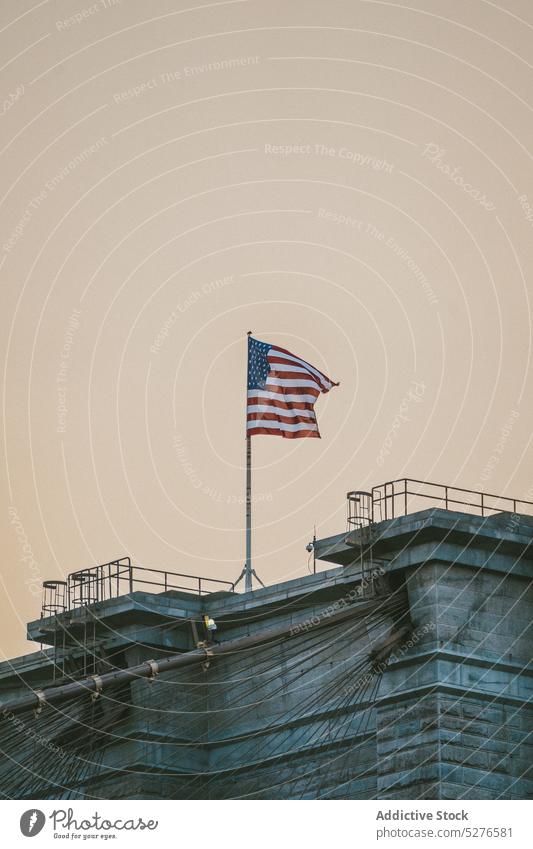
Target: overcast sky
<point x="350" y="180"/>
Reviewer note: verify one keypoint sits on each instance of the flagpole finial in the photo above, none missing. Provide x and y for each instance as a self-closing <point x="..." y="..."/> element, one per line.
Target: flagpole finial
<point x="249" y="333"/>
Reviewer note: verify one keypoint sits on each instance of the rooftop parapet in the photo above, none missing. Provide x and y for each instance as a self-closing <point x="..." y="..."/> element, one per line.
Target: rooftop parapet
<point x="118" y="578"/>
<point x="408" y="495"/>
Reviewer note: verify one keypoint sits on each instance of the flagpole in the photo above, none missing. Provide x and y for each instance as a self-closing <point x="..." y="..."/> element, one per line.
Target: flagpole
<point x="248" y="573"/>
<point x="248" y="567"/>
<point x="248" y="564"/>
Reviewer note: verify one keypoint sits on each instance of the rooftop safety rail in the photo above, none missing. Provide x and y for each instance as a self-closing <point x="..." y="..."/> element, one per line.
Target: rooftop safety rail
<point x="408" y="495"/>
<point x="118" y="578"/>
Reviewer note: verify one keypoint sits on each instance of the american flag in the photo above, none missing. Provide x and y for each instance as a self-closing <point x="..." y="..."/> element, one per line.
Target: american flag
<point x="282" y="390"/>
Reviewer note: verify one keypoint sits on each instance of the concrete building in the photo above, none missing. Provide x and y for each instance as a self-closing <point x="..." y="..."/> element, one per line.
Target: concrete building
<point x="401" y="671"/>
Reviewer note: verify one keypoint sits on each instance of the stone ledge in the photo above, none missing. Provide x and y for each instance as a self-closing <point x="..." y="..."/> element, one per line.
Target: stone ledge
<point x="448" y="689"/>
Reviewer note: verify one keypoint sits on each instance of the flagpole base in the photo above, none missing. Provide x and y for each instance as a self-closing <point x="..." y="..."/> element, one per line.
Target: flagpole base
<point x="248" y="574"/>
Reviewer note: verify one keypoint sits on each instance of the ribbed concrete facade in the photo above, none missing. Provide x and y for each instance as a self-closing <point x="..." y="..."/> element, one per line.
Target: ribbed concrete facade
<point x="447" y="715"/>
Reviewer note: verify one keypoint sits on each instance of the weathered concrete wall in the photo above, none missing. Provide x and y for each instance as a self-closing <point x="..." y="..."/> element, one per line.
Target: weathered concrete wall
<point x="454" y="719"/>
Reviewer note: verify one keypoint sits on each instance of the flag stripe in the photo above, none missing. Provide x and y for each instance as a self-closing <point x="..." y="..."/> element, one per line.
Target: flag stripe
<point x="282" y="381"/>
<point x="292" y="375"/>
<point x="255" y="431"/>
<point x="275" y="419"/>
<point x="269" y="404"/>
<point x="282" y="411"/>
<point x="283" y="426"/>
<point x="278" y="394"/>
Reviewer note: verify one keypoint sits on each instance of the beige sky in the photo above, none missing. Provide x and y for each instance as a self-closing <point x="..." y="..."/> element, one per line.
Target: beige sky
<point x="351" y="180"/>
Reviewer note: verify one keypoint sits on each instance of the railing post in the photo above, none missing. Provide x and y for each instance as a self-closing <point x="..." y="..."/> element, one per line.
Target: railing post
<point x="446" y="497"/>
<point x="482" y="505"/>
<point x="131" y="578"/>
<point x="405" y="487"/>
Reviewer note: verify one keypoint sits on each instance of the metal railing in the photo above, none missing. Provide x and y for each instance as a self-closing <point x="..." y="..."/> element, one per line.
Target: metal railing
<point x="117" y="578"/>
<point x="409" y="495"/>
<point x="54" y="598"/>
